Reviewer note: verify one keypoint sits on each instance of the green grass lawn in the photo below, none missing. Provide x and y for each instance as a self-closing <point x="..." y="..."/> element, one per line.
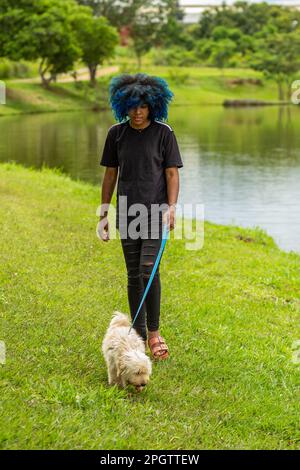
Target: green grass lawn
<point x="203" y="86"/>
<point x="229" y="312"/>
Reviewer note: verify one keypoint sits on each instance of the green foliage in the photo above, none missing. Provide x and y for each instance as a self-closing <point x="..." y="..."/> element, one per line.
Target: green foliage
<point x="249" y="18"/>
<point x="96" y="38"/>
<point x="20" y="69"/>
<point x="243" y="24"/>
<point x="174" y="56"/>
<point x="178" y="76"/>
<point x="239" y="60"/>
<point x="45" y="31"/>
<point x="222" y="52"/>
<point x="228" y="47"/>
<point x="128" y="67"/>
<point x="221" y="32"/>
<point x="174" y="33"/>
<point x="57" y="33"/>
<point x="278" y="57"/>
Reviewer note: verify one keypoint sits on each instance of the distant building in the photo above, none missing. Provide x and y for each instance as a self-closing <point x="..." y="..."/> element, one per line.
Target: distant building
<point x="194" y="8"/>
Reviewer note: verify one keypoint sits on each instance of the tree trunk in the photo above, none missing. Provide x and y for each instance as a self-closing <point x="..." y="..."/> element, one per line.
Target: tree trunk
<point x="45" y="81"/>
<point x="93" y="70"/>
<point x="288" y="91"/>
<point x="280" y="91"/>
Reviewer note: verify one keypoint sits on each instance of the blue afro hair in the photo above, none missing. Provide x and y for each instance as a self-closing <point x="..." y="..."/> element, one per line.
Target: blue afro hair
<point x="129" y="91"/>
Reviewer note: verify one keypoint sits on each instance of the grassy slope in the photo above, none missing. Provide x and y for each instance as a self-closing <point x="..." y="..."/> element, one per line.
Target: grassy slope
<point x="33" y="98"/>
<point x="212" y="86"/>
<point x="204" y="86"/>
<point x="230" y="314"/>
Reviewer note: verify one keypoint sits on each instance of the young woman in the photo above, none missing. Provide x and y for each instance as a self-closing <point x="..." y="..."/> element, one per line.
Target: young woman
<point x="143" y="151"/>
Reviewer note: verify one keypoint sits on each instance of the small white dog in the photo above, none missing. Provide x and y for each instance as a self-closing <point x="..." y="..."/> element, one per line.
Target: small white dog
<point x="124" y="354"/>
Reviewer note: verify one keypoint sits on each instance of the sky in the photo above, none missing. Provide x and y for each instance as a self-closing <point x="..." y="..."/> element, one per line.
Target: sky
<point x="218" y="2"/>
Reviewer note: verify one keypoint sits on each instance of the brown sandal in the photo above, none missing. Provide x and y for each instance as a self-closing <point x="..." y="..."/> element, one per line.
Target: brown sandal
<point x="158" y="347"/>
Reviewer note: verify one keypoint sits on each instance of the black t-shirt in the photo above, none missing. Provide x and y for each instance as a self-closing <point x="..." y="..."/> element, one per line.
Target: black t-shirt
<point x="142" y="156"/>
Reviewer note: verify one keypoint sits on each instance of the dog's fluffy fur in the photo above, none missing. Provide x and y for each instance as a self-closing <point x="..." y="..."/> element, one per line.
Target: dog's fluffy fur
<point x="124" y="354"/>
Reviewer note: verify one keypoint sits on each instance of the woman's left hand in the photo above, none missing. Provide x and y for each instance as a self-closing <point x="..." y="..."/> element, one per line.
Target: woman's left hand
<point x="169" y="218"/>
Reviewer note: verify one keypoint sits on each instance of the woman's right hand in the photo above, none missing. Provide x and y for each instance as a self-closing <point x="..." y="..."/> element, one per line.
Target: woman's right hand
<point x="102" y="230"/>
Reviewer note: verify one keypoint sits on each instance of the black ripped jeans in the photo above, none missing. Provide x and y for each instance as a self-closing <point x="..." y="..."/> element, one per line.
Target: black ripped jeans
<point x="140" y="256"/>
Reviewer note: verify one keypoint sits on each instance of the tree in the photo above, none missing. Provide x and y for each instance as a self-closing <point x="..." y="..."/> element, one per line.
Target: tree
<point x="172" y="31"/>
<point x="118" y="12"/>
<point x="143" y="32"/>
<point x="151" y="23"/>
<point x="40" y="31"/>
<point x="278" y="57"/>
<point x="222" y="51"/>
<point x="97" y="40"/>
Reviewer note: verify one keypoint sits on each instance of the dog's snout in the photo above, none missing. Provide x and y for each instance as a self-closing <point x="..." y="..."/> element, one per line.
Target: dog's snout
<point x="140" y="387"/>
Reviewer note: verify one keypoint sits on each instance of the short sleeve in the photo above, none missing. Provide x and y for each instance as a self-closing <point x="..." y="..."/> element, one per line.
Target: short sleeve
<point x="109" y="154"/>
<point x="172" y="155"/>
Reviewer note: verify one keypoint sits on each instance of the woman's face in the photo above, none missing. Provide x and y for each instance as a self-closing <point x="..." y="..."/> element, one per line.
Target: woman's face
<point x="139" y="115"/>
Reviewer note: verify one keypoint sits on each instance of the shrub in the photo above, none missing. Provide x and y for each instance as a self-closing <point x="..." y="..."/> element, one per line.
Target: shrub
<point x="175" y="56"/>
<point x="11" y="69"/>
<point x="177" y="76"/>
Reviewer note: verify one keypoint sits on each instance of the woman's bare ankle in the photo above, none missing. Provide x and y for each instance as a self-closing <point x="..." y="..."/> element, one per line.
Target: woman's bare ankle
<point x="151" y="334"/>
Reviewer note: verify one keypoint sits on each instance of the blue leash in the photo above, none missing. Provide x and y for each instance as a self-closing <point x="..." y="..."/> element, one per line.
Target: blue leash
<point x="163" y="242"/>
